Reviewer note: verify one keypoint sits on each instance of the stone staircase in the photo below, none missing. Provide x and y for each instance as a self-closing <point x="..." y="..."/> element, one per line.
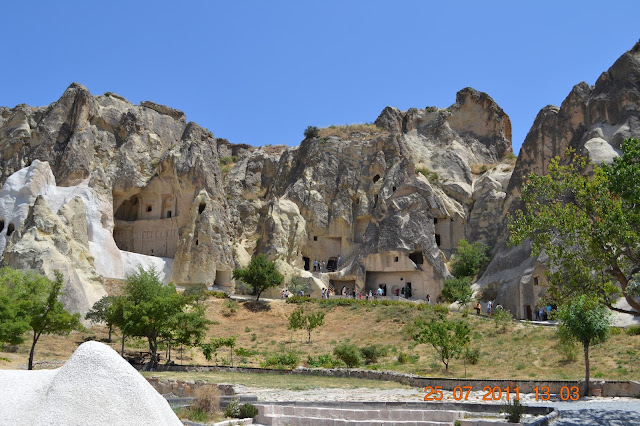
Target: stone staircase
<point x="293" y="415"/>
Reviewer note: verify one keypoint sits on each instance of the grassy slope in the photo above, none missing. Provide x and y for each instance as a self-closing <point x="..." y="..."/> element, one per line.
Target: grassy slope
<point x="523" y="352"/>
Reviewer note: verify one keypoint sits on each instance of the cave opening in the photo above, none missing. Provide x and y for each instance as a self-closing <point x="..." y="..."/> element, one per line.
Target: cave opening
<point x="128" y="210"/>
<point x="201" y="207"/>
<point x="376" y="178"/>
<point x="1" y="224"/>
<point x="10" y="229"/>
<point x="416" y="257"/>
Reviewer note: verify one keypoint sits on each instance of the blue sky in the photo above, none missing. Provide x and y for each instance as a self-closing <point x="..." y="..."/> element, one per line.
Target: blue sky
<point x="259" y="72"/>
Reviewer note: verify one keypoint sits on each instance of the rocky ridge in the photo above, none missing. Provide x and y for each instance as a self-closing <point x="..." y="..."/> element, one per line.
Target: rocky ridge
<point x="381" y="205"/>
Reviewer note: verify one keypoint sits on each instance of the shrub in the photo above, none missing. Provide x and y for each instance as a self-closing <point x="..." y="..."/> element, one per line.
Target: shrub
<point x="207" y="399"/>
<point x="231" y="307"/>
<point x="432" y="177"/>
<point x="510" y="157"/>
<point x="197" y="292"/>
<point x="349" y="354"/>
<point x="233" y="409"/>
<point x="281" y="360"/>
<point x="371" y="353"/>
<point x="218" y="294"/>
<point x="298" y="284"/>
<point x="513" y="410"/>
<point x="567" y="348"/>
<point x="633" y="330"/>
<point x="311" y="132"/>
<point x="471" y="356"/>
<point x="228" y="160"/>
<point x="403" y="358"/>
<point x="502" y="319"/>
<point x="325" y="361"/>
<point x="248" y="411"/>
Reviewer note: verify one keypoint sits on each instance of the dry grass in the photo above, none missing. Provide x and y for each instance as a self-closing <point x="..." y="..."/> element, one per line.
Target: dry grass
<point x="278" y="381"/>
<point x="361" y="131"/>
<point x="480" y="168"/>
<point x="523" y="352"/>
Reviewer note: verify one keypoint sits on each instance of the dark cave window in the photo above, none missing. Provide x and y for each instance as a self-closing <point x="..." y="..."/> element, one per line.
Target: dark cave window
<point x="435" y="220"/>
<point x="201" y="207"/>
<point x="1" y="224"/>
<point x="315" y="238"/>
<point x="416" y="257"/>
<point x="149" y="208"/>
<point x="169" y="214"/>
<point x="438" y="240"/>
<point x="394" y="189"/>
<point x="376" y="178"/>
<point x="395" y="259"/>
<point x="10" y="229"/>
<point x="197" y="242"/>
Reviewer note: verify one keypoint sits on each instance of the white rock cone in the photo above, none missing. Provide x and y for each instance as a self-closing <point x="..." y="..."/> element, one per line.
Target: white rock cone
<point x="95" y="386"/>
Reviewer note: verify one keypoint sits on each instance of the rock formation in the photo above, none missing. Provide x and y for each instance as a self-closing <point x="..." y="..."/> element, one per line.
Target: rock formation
<point x="593" y="120"/>
<point x="382" y="205"/>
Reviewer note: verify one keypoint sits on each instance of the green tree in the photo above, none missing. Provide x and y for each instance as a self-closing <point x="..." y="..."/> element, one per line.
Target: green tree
<point x="299" y="320"/>
<point x="448" y="338"/>
<point x="198" y="292"/>
<point x="457" y="290"/>
<point x="588" y="223"/>
<point x="13" y="320"/>
<point x="261" y="274"/>
<point x="33" y="300"/>
<point x="189" y="327"/>
<point x="211" y="348"/>
<point x="469" y="258"/>
<point x="151" y="309"/>
<point x="311" y="132"/>
<point x="100" y="313"/>
<point x="587" y="321"/>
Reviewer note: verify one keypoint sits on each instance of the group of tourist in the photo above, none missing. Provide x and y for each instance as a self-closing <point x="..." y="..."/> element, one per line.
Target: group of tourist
<point x="402" y="292"/>
<point x="321" y="266"/>
<point x="542" y="312"/>
<point x="489" y="308"/>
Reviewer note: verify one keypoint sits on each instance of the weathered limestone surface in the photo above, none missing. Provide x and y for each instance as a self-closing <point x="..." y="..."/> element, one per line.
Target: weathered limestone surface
<point x="145" y="164"/>
<point x="593" y="120"/>
<point x="47" y="242"/>
<point x="380" y="205"/>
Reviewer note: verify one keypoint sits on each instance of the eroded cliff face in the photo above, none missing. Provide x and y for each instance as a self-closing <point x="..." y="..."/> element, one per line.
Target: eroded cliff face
<point x="593" y="120"/>
<point x="145" y="164"/>
<point x="381" y="204"/>
<point x="375" y="205"/>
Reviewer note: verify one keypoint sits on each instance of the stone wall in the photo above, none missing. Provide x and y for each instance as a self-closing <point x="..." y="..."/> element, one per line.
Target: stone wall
<point x="610" y="388"/>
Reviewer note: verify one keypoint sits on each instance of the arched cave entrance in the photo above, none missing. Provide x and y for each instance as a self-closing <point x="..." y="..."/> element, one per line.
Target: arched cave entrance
<point x="128" y="210"/>
<point x="146" y="223"/>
